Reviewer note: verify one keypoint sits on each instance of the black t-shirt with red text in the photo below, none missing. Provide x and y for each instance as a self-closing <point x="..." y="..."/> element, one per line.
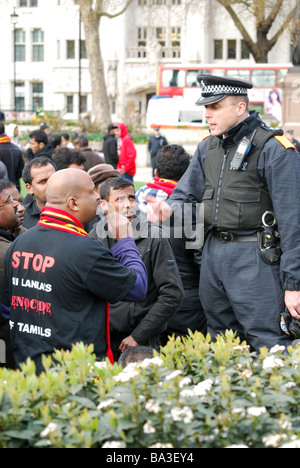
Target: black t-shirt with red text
<point x="57" y="285"/>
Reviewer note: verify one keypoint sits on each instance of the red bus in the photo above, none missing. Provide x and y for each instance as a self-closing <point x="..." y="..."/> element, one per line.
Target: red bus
<point x="265" y="96"/>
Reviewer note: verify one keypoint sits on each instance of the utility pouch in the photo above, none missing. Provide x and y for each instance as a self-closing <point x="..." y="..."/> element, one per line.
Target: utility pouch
<point x="269" y="239"/>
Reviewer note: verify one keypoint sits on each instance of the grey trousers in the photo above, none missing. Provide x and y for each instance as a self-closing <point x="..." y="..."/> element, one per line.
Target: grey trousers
<point x="239" y="291"/>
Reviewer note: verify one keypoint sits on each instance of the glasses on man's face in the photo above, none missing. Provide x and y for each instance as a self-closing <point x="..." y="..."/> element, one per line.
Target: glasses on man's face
<point x="8" y="201"/>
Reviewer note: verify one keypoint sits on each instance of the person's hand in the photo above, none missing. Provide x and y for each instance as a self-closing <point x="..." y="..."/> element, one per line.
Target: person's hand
<point x="292" y="302"/>
<point x="158" y="211"/>
<point x="128" y="342"/>
<point x="119" y="226"/>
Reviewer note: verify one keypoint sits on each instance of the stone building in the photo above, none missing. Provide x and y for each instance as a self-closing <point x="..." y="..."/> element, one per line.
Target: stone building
<point x="41" y="67"/>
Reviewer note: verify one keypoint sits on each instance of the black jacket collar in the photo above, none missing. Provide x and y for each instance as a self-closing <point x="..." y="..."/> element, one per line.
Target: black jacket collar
<point x="245" y="128"/>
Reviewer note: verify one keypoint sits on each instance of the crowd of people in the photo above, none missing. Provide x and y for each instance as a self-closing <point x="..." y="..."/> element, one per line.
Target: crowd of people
<point x="86" y="257"/>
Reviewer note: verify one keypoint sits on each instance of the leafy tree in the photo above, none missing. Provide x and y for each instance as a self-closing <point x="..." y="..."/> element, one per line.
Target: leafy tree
<point x="264" y="13"/>
<point x="92" y="11"/>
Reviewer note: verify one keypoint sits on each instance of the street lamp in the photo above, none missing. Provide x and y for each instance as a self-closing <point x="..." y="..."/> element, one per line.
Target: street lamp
<point x="14" y="17"/>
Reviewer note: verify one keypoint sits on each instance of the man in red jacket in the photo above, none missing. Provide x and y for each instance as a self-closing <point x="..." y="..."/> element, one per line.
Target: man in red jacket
<point x="127" y="152"/>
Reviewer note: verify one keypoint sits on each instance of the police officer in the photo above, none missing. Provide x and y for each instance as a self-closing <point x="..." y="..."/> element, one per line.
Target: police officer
<point x="240" y="172"/>
<point x="156" y="142"/>
<point x="290" y="136"/>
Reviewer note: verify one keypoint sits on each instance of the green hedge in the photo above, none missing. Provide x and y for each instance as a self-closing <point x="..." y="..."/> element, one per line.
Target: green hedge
<point x="195" y="394"/>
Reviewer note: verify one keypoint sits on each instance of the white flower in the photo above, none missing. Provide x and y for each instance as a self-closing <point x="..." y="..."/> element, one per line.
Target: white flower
<point x="272" y="361"/>
<point x="156" y="361"/>
<point x="185" y="381"/>
<point x="184" y="414"/>
<point x="274" y="440"/>
<point x="159" y="445"/>
<point x="128" y="373"/>
<point x="256" y="411"/>
<point x="290" y="385"/>
<point x="285" y="425"/>
<point x="247" y="373"/>
<point x="237" y="446"/>
<point x="112" y="444"/>
<point x="203" y="387"/>
<point x="241" y="347"/>
<point x="152" y="406"/>
<point x="238" y="411"/>
<point x="294" y="444"/>
<point x="173" y="375"/>
<point x="148" y="428"/>
<point x="50" y="429"/>
<point x="106" y="403"/>
<point x="199" y="390"/>
<point x="187" y="393"/>
<point x="276" y="349"/>
<point x="101" y="364"/>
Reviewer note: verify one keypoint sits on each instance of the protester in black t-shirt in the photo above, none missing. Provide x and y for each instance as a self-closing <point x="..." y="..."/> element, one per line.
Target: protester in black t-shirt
<point x="58" y="281"/>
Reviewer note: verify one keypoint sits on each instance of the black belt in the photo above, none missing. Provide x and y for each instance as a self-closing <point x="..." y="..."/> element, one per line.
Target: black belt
<point x="228" y="237"/>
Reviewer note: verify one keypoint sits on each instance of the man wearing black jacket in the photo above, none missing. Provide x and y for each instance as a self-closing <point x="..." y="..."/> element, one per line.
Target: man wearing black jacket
<point x="8" y="222"/>
<point x="39" y="144"/>
<point x="140" y="323"/>
<point x="110" y="147"/>
<point x="11" y="156"/>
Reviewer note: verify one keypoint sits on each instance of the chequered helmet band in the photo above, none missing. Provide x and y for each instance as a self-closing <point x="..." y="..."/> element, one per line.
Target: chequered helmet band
<point x="213" y="90"/>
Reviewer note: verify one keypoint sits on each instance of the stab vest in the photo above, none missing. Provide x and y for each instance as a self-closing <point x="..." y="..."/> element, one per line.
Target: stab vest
<point x="235" y="200"/>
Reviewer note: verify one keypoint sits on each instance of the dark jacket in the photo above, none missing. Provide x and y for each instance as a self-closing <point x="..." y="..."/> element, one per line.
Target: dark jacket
<point x="148" y="318"/>
<point x="46" y="151"/>
<point x="110" y="150"/>
<point x="12" y="157"/>
<point x="32" y="214"/>
<point x="6" y="238"/>
<point x="155" y="144"/>
<point x="279" y="168"/>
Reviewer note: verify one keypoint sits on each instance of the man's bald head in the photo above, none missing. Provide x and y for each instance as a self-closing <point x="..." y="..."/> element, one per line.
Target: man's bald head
<point x="69" y="190"/>
<point x="65" y="183"/>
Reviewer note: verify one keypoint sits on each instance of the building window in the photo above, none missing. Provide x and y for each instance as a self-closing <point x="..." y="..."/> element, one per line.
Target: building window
<point x="231" y="49"/>
<point x="161" y="36"/>
<point x="20" y="39"/>
<point x="218" y="49"/>
<point x="176" y="36"/>
<point x="83" y="103"/>
<point x="70" y="104"/>
<point x="83" y="53"/>
<point x="70" y="50"/>
<point x="28" y="3"/>
<point x="37" y="95"/>
<point x="142" y="42"/>
<point x="245" y="53"/>
<point x="38" y="45"/>
<point x="20" y="97"/>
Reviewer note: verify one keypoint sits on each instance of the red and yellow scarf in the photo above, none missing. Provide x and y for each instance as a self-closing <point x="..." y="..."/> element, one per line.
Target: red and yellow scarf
<point x="4" y="139"/>
<point x="60" y="220"/>
<point x="166" y="185"/>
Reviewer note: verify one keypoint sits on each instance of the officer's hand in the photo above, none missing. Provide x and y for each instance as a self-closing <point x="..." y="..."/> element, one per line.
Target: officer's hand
<point x="119" y="226"/>
<point x="292" y="302"/>
<point x="128" y="342"/>
<point x="158" y="211"/>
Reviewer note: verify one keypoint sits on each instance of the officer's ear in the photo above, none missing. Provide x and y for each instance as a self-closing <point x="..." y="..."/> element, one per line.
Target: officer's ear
<point x="242" y="107"/>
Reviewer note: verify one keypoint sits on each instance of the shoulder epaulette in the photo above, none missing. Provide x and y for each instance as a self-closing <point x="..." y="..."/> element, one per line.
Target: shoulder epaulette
<point x="206" y="137"/>
<point x="285" y="142"/>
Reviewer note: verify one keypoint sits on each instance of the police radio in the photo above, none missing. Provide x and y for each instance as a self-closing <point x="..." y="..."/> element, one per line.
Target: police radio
<point x="241" y="153"/>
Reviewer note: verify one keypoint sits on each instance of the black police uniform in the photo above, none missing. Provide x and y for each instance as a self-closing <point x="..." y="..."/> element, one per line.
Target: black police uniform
<point x="238" y="290"/>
